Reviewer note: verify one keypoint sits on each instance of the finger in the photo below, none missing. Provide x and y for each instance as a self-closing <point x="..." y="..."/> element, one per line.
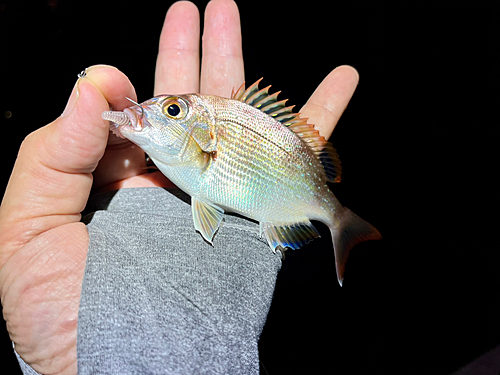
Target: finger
<point x="177" y="65"/>
<point x="328" y="102"/>
<point x="222" y="62"/>
<point x="51" y="180"/>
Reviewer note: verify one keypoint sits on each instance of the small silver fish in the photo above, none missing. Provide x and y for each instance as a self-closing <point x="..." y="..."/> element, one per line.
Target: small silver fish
<point x="248" y="154"/>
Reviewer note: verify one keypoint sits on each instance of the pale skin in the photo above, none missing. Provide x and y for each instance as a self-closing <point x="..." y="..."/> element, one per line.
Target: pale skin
<point x="43" y="245"/>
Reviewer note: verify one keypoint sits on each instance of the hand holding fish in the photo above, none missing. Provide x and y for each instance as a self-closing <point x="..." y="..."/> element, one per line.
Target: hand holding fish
<point x="43" y="244"/>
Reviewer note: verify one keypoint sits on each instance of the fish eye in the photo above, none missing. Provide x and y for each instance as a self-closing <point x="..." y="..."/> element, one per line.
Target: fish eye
<point x="175" y="108"/>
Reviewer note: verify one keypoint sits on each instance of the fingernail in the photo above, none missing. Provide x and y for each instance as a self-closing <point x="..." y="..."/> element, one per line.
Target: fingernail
<point x="72" y="99"/>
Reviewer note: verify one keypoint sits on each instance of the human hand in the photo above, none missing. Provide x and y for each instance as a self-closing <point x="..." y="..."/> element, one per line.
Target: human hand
<point x="43" y="245"/>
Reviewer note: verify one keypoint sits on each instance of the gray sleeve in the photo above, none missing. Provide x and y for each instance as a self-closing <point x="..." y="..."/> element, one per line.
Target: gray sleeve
<point x="25" y="368"/>
<point x="158" y="299"/>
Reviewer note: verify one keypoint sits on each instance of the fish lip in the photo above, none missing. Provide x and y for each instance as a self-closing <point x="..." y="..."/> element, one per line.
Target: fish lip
<point x="135" y="123"/>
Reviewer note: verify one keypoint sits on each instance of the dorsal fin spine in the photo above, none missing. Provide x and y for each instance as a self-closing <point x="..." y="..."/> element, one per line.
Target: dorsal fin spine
<point x="267" y="101"/>
<point x="296" y="124"/>
<point x="283" y="111"/>
<point x="237" y="94"/>
<point x="298" y="128"/>
<point x="287" y="118"/>
<point x="261" y="94"/>
<point x="277" y="108"/>
<point x="250" y="91"/>
<point x="270" y="105"/>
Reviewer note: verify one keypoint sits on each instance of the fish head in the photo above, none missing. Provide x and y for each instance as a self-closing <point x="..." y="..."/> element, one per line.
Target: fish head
<point x="166" y="127"/>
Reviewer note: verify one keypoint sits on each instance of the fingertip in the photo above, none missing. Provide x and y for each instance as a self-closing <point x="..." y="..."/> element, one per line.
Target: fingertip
<point x="217" y="3"/>
<point x="95" y="70"/>
<point x="339" y="84"/>
<point x="177" y="66"/>
<point x="81" y="135"/>
<point x="183" y="6"/>
<point x="344" y="77"/>
<point x="90" y="104"/>
<point x="349" y="71"/>
<point x="97" y="67"/>
<point x="222" y="17"/>
<point x="112" y="83"/>
<point x="180" y="15"/>
<point x="75" y="142"/>
<point x="330" y="99"/>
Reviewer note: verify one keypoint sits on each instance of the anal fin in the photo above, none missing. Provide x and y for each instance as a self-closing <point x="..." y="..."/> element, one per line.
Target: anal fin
<point x="207" y="218"/>
<point x="292" y="236"/>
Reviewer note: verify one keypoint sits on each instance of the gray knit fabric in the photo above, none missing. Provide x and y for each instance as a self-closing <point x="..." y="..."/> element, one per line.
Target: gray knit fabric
<point x="25" y="368"/>
<point x="158" y="299"/>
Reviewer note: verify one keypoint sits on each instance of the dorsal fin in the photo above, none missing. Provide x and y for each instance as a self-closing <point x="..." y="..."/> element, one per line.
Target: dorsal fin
<point x="269" y="104"/>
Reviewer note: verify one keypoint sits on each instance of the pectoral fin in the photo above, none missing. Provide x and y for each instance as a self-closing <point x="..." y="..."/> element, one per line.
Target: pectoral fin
<point x="292" y="236"/>
<point x="207" y="218"/>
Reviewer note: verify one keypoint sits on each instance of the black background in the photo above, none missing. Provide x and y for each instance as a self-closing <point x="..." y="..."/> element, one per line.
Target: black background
<point x="417" y="143"/>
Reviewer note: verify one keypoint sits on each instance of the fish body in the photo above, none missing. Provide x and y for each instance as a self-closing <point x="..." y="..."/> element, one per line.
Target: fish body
<point x="248" y="154"/>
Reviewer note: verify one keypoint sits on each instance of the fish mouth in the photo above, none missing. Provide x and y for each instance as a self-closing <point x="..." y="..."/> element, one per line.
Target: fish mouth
<point x="123" y="122"/>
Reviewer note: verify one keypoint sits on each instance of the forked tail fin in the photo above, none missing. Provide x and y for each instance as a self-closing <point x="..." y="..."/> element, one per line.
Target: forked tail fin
<point x="350" y="231"/>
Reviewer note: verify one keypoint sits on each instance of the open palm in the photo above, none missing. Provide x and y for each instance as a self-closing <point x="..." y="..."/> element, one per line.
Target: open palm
<point x="43" y="244"/>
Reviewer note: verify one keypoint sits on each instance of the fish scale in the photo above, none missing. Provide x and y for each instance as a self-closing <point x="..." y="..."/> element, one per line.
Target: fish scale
<point x="233" y="159"/>
<point x="248" y="154"/>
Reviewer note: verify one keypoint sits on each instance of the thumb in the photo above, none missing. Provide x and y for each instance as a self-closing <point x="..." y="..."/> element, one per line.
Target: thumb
<point x="51" y="179"/>
<point x="80" y="135"/>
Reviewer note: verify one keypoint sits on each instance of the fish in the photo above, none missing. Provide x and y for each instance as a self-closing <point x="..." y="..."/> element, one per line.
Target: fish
<point x="249" y="154"/>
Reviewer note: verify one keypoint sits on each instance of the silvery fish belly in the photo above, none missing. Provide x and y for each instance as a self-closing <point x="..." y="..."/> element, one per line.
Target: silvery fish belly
<point x="248" y="154"/>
